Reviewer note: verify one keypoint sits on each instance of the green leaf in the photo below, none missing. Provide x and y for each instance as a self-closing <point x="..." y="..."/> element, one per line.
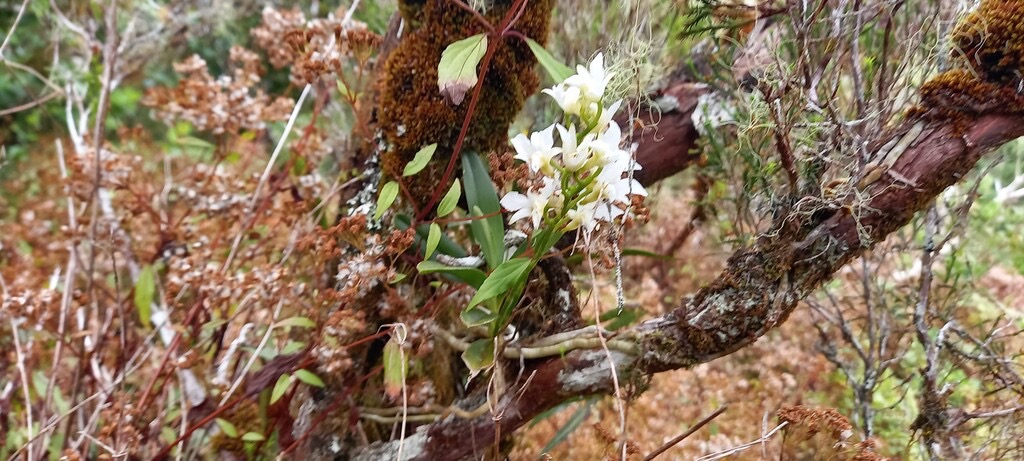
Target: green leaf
<point x="387" y="196"/>
<point x="573" y="423"/>
<point x="196" y="143"/>
<point x="645" y="253"/>
<point x="227" y="428"/>
<point x="309" y="378"/>
<point x="556" y="69"/>
<point x="432" y="239"/>
<point x="396" y="365"/>
<point x="501" y="280"/>
<point x="621" y="319"/>
<point x="420" y="161"/>
<point x="398" y="278"/>
<point x="456" y="73"/>
<point x="450" y="199"/>
<point x="447" y="245"/>
<point x="482" y="199"/>
<point x="282" y="385"/>
<point x="292" y="347"/>
<point x="476" y="316"/>
<point x="345" y="92"/>
<point x="253" y="437"/>
<point x="480" y="355"/>
<point x="302" y="322"/>
<point x="145" y="287"/>
<point x="470" y="275"/>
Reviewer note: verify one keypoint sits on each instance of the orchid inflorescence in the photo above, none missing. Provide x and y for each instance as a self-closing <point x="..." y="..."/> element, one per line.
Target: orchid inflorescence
<point x="587" y="178"/>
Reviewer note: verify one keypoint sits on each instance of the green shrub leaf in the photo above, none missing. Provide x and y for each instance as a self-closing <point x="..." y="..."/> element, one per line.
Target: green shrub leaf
<point x="456" y="73"/>
<point x="145" y="287"/>
<point x="387" y="196"/>
<point x="420" y="161"/>
<point x="253" y="437"/>
<point x="450" y="199"/>
<point x="433" y="237"/>
<point x="227" y="427"/>
<point x="282" y="385"/>
<point x="309" y="378"/>
<point x="302" y="322"/>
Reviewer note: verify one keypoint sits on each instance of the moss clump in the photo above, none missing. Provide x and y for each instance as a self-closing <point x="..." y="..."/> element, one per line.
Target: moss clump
<point x="991" y="41"/>
<point x="989" y="74"/>
<point x="959" y="91"/>
<point x="414" y="114"/>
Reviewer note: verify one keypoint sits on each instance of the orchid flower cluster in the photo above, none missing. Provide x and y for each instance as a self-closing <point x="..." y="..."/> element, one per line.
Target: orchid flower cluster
<point x="587" y="178"/>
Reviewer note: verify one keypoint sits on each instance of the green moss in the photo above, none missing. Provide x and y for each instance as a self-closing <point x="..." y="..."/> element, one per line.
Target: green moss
<point x="412" y="111"/>
<point x="990" y="41"/>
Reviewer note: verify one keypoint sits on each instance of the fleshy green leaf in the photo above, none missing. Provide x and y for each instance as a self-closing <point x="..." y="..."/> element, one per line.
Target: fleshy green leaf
<point x="432" y="239"/>
<point x="388" y="194"/>
<point x="302" y="322"/>
<point x="450" y="199"/>
<point x="480" y="355"/>
<point x="395" y="368"/>
<point x="501" y="280"/>
<point x="470" y="275"/>
<point x="456" y="73"/>
<point x="227" y="427"/>
<point x="644" y="253"/>
<point x="621" y="319"/>
<point x="282" y="385"/>
<point x="482" y="200"/>
<point x="253" y="437"/>
<point x="476" y="316"/>
<point x="556" y="69"/>
<point x="309" y="378"/>
<point x="571" y="425"/>
<point x="144" y="290"/>
<point x="420" y="161"/>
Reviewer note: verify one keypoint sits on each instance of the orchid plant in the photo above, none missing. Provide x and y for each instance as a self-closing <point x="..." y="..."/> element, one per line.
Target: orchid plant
<point x="577" y="184"/>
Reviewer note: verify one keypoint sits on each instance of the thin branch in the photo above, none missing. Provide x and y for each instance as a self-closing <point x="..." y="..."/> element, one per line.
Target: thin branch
<point x="684" y="435"/>
<point x="251" y="211"/>
<point x="10" y="33"/>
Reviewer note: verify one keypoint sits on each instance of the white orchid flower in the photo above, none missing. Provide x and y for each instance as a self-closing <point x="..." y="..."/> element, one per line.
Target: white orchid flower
<point x="574" y="155"/>
<point x="532" y="205"/>
<point x="605" y="147"/>
<point x="591" y="80"/>
<point x="567" y="97"/>
<point x="537" y="150"/>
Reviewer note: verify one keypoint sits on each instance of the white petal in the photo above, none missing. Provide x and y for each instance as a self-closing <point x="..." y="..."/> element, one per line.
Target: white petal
<point x="514" y="201"/>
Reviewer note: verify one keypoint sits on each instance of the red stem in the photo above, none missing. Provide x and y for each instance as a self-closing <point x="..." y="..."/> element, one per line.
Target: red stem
<point x="513" y="13"/>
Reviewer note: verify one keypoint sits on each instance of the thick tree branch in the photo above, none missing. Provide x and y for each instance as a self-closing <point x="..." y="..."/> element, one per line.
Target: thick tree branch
<point x="664" y="132"/>
<point x="756" y="292"/>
